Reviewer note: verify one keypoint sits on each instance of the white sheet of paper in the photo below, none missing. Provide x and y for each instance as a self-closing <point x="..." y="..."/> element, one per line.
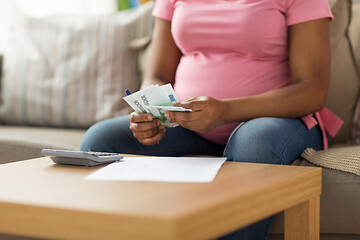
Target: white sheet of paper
<point x="160" y="169"/>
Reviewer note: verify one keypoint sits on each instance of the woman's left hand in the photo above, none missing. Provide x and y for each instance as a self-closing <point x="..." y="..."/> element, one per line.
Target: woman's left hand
<point x="207" y="113"/>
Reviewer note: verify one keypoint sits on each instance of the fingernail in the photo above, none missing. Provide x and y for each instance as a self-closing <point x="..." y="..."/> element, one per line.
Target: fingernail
<point x="149" y="118"/>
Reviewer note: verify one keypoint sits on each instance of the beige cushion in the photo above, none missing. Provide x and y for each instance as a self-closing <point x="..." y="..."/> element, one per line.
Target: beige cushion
<point x="71" y="71"/>
<point x="345" y="159"/>
<point x="20" y="143"/>
<point x="344" y="85"/>
<point x="339" y="203"/>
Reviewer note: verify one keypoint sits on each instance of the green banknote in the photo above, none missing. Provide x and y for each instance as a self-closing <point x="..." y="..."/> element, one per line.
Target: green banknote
<point x="155" y="100"/>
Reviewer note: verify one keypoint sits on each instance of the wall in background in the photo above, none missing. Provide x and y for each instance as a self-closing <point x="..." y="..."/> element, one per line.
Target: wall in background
<point x="50" y="7"/>
<point x="5" y="12"/>
<point x="40" y="8"/>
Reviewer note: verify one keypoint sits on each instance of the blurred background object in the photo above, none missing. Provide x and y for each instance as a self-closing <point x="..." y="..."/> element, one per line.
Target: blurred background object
<point x="43" y="8"/>
<point x="126" y="4"/>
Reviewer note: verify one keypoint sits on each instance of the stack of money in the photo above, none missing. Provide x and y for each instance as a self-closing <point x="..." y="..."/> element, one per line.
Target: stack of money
<point x="156" y="100"/>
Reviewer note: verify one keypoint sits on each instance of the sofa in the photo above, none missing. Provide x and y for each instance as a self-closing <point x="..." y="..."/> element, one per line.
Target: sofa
<point x="23" y="133"/>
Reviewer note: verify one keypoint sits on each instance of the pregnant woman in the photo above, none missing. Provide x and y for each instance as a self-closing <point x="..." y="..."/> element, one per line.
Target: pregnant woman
<point x="254" y="72"/>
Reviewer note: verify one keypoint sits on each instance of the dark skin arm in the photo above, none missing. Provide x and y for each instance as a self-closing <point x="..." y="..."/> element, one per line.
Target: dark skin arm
<point x="309" y="53"/>
<point x="165" y="58"/>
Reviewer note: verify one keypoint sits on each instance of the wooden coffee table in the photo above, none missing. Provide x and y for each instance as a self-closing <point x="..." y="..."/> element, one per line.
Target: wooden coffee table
<point x="40" y="199"/>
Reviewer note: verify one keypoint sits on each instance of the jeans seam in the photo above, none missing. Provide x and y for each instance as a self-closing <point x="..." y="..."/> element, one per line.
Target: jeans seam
<point x="286" y="144"/>
<point x="231" y="135"/>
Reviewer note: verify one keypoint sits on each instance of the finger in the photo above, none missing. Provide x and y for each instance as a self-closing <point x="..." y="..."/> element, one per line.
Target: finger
<point x="140" y="117"/>
<point x="145" y="134"/>
<point x="144" y="126"/>
<point x="186" y="101"/>
<point x="155" y="139"/>
<point x="195" y="106"/>
<point x="184" y="116"/>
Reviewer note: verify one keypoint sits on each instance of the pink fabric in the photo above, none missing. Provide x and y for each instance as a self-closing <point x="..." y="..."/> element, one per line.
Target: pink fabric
<point x="328" y="122"/>
<point x="234" y="48"/>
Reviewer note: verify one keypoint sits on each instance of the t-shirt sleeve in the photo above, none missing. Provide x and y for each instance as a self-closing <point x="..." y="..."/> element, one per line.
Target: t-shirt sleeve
<point x="163" y="9"/>
<point x="298" y="11"/>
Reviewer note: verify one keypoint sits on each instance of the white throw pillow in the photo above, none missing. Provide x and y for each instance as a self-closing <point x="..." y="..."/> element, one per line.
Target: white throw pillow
<point x="71" y="71"/>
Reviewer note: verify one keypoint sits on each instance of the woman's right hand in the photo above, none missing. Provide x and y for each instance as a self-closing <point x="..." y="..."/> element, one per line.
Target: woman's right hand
<point x="146" y="129"/>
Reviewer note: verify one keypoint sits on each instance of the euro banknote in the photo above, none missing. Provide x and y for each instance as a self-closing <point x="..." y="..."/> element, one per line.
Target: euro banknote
<point x="156" y="100"/>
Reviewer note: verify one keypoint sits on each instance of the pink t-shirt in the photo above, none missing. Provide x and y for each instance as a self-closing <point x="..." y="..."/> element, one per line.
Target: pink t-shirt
<point x="234" y="48"/>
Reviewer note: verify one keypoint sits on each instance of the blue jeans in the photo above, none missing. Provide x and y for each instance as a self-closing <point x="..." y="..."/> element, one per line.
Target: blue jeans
<point x="261" y="140"/>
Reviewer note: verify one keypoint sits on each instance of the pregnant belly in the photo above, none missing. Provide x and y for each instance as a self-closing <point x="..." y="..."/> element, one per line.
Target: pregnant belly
<point x="229" y="78"/>
<point x="225" y="79"/>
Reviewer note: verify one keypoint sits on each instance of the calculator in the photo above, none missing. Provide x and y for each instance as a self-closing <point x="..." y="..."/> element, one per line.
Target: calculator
<point x="81" y="158"/>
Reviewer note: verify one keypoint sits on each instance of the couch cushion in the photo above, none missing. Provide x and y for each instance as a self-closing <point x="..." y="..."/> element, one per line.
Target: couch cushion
<point x="20" y="143"/>
<point x="344" y="82"/>
<point x="339" y="202"/>
<point x="71" y="71"/>
<point x="345" y="159"/>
